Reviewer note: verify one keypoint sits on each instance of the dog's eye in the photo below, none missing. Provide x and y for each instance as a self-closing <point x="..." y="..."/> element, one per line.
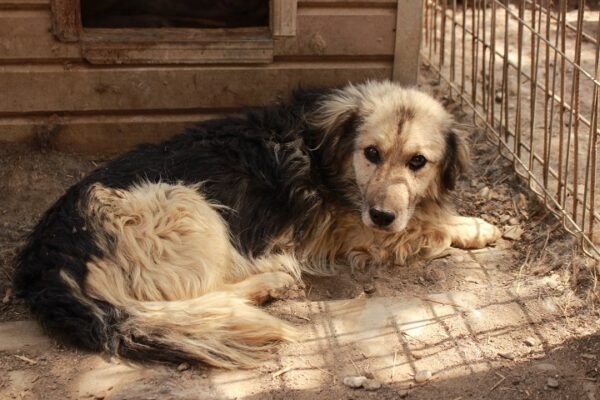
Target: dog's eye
<point x="372" y="154"/>
<point x="417" y="162"/>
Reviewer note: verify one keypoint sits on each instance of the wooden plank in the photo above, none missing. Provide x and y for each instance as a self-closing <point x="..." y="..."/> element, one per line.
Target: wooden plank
<point x="408" y="41"/>
<point x="181" y="46"/>
<point x="104" y="134"/>
<point x="347" y="3"/>
<point x="283" y="17"/>
<point x="24" y="4"/>
<point x="51" y="88"/>
<point x="237" y="53"/>
<point x="340" y="32"/>
<point x="66" y="19"/>
<point x="25" y="35"/>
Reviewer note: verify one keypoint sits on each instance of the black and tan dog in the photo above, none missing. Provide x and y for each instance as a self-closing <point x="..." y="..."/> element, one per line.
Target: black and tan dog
<point x="161" y="253"/>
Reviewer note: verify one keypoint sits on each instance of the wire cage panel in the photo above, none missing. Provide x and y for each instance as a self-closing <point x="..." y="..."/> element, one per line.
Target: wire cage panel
<point x="529" y="71"/>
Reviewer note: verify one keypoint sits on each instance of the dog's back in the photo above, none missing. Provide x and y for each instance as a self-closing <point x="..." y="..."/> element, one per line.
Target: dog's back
<point x="79" y="270"/>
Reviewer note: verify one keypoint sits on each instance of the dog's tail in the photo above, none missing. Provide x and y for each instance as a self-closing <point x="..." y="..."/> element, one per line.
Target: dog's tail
<point x="217" y="328"/>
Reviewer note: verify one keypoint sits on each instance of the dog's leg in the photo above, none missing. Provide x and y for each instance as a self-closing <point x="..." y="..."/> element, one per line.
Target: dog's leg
<point x="469" y="232"/>
<point x="263" y="287"/>
<point x="431" y="236"/>
<point x="269" y="263"/>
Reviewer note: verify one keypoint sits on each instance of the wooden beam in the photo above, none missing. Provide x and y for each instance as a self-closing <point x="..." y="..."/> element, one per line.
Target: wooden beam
<point x="283" y="17"/>
<point x="98" y="134"/>
<point x="66" y="19"/>
<point x="56" y="88"/>
<point x="24" y="4"/>
<point x="177" y="46"/>
<point x="409" y="19"/>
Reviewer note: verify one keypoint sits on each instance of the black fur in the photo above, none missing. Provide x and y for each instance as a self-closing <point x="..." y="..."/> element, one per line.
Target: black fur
<point x="453" y="164"/>
<point x="270" y="161"/>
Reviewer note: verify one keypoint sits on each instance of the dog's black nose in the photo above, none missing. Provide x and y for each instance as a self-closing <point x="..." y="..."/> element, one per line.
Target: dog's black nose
<point x="380" y="217"/>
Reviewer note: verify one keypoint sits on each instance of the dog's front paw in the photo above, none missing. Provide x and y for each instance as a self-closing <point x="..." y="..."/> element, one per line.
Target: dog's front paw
<point x="474" y="233"/>
<point x="279" y="286"/>
<point x="488" y="233"/>
<point x="293" y="292"/>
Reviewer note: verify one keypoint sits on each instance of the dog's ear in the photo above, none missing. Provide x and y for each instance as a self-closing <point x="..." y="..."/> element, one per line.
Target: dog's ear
<point x="336" y="110"/>
<point x="455" y="161"/>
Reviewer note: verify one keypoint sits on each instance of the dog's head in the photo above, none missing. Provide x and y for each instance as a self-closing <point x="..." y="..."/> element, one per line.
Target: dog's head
<point x="402" y="153"/>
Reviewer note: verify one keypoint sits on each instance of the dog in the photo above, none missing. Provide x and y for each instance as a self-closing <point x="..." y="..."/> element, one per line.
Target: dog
<point x="165" y="252"/>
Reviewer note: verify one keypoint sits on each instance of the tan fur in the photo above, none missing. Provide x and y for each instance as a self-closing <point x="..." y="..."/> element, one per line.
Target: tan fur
<point x="345" y="240"/>
<point x="174" y="270"/>
<point x="219" y="328"/>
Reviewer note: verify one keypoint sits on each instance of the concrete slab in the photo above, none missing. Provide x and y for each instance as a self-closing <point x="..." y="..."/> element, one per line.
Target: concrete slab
<point x="22" y="334"/>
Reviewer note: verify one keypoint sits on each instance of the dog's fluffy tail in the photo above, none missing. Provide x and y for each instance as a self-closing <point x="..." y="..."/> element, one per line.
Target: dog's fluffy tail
<point x="217" y="328"/>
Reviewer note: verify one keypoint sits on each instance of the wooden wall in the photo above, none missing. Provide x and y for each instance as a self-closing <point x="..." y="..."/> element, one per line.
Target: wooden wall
<point x="49" y="92"/>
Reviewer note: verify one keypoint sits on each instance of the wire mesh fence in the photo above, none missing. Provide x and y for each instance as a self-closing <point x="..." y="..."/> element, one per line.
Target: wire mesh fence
<point x="529" y="71"/>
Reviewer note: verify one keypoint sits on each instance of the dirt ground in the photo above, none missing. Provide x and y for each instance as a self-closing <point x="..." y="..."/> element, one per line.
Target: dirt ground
<point x="515" y="320"/>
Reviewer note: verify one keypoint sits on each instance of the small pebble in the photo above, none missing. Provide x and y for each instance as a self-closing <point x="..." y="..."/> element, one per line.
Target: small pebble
<point x="487" y="218"/>
<point x="459" y="259"/>
<point x="354" y="381"/>
<point x="7" y="296"/>
<point x="403" y="393"/>
<point x="423" y="376"/>
<point x="522" y="201"/>
<point x="498" y="96"/>
<point x="484" y="192"/>
<point x="552" y="383"/>
<point x="371" y="385"/>
<point x="369" y="289"/>
<point x="513" y="221"/>
<point x="513" y="232"/>
<point x="505" y="218"/>
<point x="529" y="341"/>
<point x="588" y="356"/>
<point x="435" y="275"/>
<point x="508" y="356"/>
<point x="183" y="367"/>
<point x="546" y="367"/>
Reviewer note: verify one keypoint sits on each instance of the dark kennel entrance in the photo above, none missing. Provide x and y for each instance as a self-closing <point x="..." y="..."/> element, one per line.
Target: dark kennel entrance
<point x="174" y="13"/>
